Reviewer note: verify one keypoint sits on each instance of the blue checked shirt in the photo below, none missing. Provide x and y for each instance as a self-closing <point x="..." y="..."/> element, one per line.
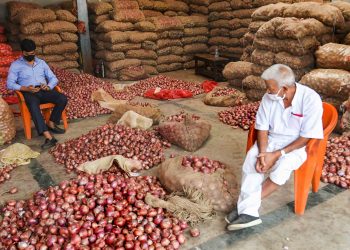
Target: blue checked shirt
<point x="21" y="73"/>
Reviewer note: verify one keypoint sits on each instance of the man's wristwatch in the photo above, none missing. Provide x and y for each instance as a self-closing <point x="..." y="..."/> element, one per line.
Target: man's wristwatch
<point x="283" y="152"/>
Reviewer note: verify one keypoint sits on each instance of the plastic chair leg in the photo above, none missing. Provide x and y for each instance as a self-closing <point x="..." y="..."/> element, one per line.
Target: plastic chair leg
<point x="319" y="165"/>
<point x="64" y="119"/>
<point x="27" y="125"/>
<point x="46" y="113"/>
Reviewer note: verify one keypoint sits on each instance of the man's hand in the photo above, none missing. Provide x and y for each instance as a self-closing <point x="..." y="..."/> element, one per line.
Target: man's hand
<point x="32" y="89"/>
<point x="259" y="166"/>
<point x="44" y="87"/>
<point x="268" y="160"/>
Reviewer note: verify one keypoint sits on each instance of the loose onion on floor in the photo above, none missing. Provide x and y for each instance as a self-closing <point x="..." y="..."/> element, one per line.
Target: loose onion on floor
<point x="240" y="116"/>
<point x="5" y="172"/>
<point x="179" y="117"/>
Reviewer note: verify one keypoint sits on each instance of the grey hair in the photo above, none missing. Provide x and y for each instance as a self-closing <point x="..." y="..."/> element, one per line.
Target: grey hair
<point x="280" y="73"/>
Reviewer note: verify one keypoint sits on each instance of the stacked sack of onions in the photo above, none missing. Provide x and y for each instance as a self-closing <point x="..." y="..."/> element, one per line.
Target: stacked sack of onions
<point x="199" y="7"/>
<point x="195" y="38"/>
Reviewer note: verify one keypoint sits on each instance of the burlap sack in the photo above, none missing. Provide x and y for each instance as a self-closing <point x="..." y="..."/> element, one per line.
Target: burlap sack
<point x="114" y="37"/>
<point x="263" y="57"/>
<point x="236" y="83"/>
<point x="65" y="15"/>
<point x="171" y="34"/>
<point x="332" y="55"/>
<point x="100" y="8"/>
<point x="193" y="21"/>
<point x="237" y="23"/>
<point x="43" y="39"/>
<point x="125" y="5"/>
<point x="241" y="4"/>
<point x="169" y="59"/>
<point x="199" y="9"/>
<point x="193" y="49"/>
<point x="151" y="70"/>
<point x="59" y="26"/>
<point x="345" y="119"/>
<point x="168" y="67"/>
<point x="31" y="29"/>
<point x="14" y="7"/>
<point x="131" y="15"/>
<point x="162" y="43"/>
<point x="170" y="13"/>
<point x="177" y="6"/>
<point x="194" y="39"/>
<point x="111" y="25"/>
<point x="134" y="120"/>
<point x="52" y="58"/>
<point x="149" y="45"/>
<point x="65" y="64"/>
<point x="254" y="26"/>
<point x="237" y="70"/>
<point x="255" y="94"/>
<point x="64" y="47"/>
<point x="238" y="33"/>
<point x="98" y="19"/>
<point x="294" y="47"/>
<point x="69" y="37"/>
<point x="26" y="17"/>
<point x="220" y="188"/>
<point x="199" y="31"/>
<point x="295" y="62"/>
<point x="200" y="2"/>
<point x="254" y="82"/>
<point x="71" y="56"/>
<point x="152" y="13"/>
<point x="221" y="15"/>
<point x="189" y="134"/>
<point x="109" y="56"/>
<point x="235" y="99"/>
<point x="145" y="26"/>
<point x="220" y="24"/>
<point x="121" y="47"/>
<point x="219" y="32"/>
<point x="344" y="8"/>
<point x="141" y="54"/>
<point x="163" y="23"/>
<point x="12" y="28"/>
<point x="174" y="50"/>
<point x="160" y="6"/>
<point x="347" y="39"/>
<point x="329" y="38"/>
<point x="7" y="122"/>
<point x="139" y="37"/>
<point x="258" y="69"/>
<point x="121" y="64"/>
<point x="219" y="6"/>
<point x="247" y="39"/>
<point x="133" y="73"/>
<point x="329" y="82"/>
<point x="268" y="12"/>
<point x="151" y="112"/>
<point x="219" y="40"/>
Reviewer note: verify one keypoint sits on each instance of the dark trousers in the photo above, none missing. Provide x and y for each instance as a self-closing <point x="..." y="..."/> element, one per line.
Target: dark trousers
<point x="33" y="101"/>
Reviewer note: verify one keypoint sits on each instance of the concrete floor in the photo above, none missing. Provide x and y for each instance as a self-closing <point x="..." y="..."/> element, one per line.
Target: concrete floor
<point x="325" y="224"/>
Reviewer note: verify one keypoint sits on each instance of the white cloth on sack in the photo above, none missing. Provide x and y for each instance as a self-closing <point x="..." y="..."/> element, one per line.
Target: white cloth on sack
<point x="303" y="118"/>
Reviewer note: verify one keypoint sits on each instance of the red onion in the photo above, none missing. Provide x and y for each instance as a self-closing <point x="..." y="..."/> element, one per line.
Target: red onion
<point x="5" y="172"/>
<point x="194" y="232"/>
<point x="223" y="91"/>
<point x="202" y="164"/>
<point x="180" y="117"/>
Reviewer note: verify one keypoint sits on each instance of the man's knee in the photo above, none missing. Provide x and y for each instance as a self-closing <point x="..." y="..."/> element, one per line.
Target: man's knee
<point x="62" y="99"/>
<point x="250" y="160"/>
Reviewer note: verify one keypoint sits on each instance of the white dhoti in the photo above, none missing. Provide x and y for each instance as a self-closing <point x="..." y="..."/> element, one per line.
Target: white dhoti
<point x="249" y="200"/>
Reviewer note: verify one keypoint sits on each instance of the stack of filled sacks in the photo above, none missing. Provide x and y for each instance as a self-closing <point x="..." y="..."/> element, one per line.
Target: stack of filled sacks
<point x="331" y="79"/>
<point x="343" y="33"/>
<point x="169" y="46"/>
<point x="325" y="13"/>
<point x="199" y="7"/>
<point x="165" y="7"/>
<point x="54" y="33"/>
<point x="194" y="39"/>
<point x="228" y="24"/>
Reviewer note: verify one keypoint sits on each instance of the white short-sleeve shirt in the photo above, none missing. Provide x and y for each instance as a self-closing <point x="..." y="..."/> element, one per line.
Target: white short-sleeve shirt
<point x="303" y="118"/>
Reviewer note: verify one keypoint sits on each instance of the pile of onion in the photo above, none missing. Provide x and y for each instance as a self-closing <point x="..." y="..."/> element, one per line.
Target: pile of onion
<point x="240" y="116"/>
<point x="5" y="172"/>
<point x="224" y="91"/>
<point x="336" y="168"/>
<point x="202" y="164"/>
<point x="105" y="211"/>
<point x="180" y="117"/>
<point x="4" y="91"/>
<point x="78" y="89"/>
<point x="111" y="139"/>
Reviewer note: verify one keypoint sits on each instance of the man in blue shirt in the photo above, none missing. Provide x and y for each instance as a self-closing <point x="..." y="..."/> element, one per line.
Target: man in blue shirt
<point x="33" y="77"/>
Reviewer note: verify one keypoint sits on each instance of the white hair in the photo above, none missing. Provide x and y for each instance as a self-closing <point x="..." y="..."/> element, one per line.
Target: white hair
<point x="280" y="73"/>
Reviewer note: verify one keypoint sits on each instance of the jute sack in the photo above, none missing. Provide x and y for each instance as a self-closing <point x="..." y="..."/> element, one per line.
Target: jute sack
<point x="294" y="47"/>
<point x="162" y="43"/>
<point x="219" y="6"/>
<point x="255" y="94"/>
<point x="125" y="5"/>
<point x="254" y="82"/>
<point x="200" y="2"/>
<point x="188" y="134"/>
<point x="237" y="23"/>
<point x="149" y="45"/>
<point x="168" y="67"/>
<point x="121" y="64"/>
<point x="234" y="99"/>
<point x="109" y="56"/>
<point x="193" y="21"/>
<point x="237" y="70"/>
<point x="248" y="39"/>
<point x="243" y="13"/>
<point x="59" y="26"/>
<point x="98" y="19"/>
<point x="145" y="26"/>
<point x="295" y="62"/>
<point x="238" y="33"/>
<point x="219" y="40"/>
<point x="61" y="48"/>
<point x="31" y="29"/>
<point x="344" y="8"/>
<point x="198" y="48"/>
<point x="268" y="12"/>
<point x="174" y="50"/>
<point x="177" y="6"/>
<point x="163" y="23"/>
<point x="221" y="15"/>
<point x="26" y="17"/>
<point x="52" y="58"/>
<point x="160" y="6"/>
<point x="7" y="122"/>
<point x="241" y="4"/>
<point x="114" y="37"/>
<point x="151" y="70"/>
<point x="14" y="7"/>
<point x="122" y="47"/>
<point x="198" y="31"/>
<point x="219" y="188"/>
<point x="65" y="15"/>
<point x="263" y="57"/>
<point x="220" y="24"/>
<point x="194" y="39"/>
<point x="219" y="32"/>
<point x="65" y="64"/>
<point x="151" y="13"/>
<point x="347" y="39"/>
<point x="43" y="39"/>
<point x="151" y="112"/>
<point x="134" y="120"/>
<point x="100" y="8"/>
<point x="139" y="37"/>
<point x="71" y="56"/>
<point x="141" y="54"/>
<point x="329" y="82"/>
<point x="171" y="34"/>
<point x="132" y="16"/>
<point x="254" y="26"/>
<point x="133" y="73"/>
<point x="69" y="37"/>
<point x="111" y="25"/>
<point x="199" y="9"/>
<point x="332" y="55"/>
<point x="169" y="59"/>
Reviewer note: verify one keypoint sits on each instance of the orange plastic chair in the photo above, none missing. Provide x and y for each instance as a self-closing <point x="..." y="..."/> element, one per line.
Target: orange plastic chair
<point x="46" y="110"/>
<point x="310" y="172"/>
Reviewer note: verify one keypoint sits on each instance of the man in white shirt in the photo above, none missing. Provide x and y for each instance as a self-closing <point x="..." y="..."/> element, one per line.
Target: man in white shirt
<point x="290" y="114"/>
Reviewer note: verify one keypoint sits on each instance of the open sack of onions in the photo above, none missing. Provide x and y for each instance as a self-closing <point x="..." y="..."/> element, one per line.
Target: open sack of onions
<point x="225" y="97"/>
<point x="211" y="184"/>
<point x="189" y="133"/>
<point x="105" y="211"/>
<point x="7" y="123"/>
<point x="345" y="119"/>
<point x="336" y="168"/>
